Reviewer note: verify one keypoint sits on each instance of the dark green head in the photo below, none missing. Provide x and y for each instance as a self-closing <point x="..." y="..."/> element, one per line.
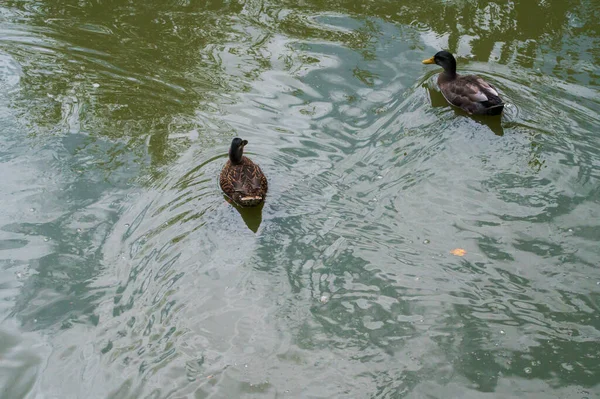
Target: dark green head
<point x="443" y="59"/>
<point x="236" y="151"/>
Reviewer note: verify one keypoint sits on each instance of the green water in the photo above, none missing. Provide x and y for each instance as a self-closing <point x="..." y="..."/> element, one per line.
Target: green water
<point x="125" y="274"/>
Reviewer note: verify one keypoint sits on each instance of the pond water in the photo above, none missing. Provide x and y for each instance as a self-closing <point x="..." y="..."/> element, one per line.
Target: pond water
<point x="124" y="273"/>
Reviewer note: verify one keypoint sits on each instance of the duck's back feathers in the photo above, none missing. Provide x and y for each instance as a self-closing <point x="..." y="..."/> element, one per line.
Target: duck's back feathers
<point x="471" y="93"/>
<point x="244" y="182"/>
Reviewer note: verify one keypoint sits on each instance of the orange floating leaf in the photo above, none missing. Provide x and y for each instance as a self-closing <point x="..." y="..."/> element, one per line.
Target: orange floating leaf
<point x="458" y="252"/>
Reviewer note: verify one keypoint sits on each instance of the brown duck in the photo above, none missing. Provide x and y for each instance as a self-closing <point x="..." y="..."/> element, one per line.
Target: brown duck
<point x="241" y="179"/>
<point x="469" y="92"/>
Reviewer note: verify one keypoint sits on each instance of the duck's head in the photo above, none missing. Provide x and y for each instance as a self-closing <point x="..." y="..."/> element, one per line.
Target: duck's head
<point x="236" y="151"/>
<point x="444" y="59"/>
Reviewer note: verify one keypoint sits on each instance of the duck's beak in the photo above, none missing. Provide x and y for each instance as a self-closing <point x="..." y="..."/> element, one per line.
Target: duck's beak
<point x="244" y="143"/>
<point x="429" y="61"/>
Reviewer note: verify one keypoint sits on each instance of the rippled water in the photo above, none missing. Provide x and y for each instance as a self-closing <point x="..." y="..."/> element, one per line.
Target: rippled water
<point x="125" y="273"/>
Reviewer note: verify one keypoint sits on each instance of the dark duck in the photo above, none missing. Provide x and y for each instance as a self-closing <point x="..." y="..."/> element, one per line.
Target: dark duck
<point x="241" y="179"/>
<point x="469" y="92"/>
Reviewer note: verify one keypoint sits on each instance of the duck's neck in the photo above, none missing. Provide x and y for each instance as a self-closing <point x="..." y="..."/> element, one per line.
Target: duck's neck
<point x="449" y="69"/>
<point x="236" y="156"/>
<point x="447" y="76"/>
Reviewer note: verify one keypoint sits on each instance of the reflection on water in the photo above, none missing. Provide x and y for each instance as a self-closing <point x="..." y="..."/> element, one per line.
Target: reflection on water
<point x="251" y="216"/>
<point x="126" y="274"/>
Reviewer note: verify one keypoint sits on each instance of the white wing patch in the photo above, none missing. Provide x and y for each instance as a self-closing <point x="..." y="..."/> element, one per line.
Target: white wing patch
<point x="476" y="94"/>
<point x="487" y="86"/>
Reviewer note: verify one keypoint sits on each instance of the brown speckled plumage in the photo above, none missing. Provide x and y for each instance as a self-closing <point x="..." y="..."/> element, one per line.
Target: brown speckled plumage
<point x="242" y="180"/>
<point x="469" y="92"/>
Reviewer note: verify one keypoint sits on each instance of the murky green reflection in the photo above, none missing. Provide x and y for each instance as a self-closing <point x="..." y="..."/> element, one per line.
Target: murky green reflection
<point x="125" y="273"/>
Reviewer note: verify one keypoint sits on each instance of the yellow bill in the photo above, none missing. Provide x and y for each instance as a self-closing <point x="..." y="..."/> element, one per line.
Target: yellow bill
<point x="429" y="61"/>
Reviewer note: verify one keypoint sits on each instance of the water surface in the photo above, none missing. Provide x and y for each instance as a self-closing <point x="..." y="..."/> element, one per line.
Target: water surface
<point x="125" y="274"/>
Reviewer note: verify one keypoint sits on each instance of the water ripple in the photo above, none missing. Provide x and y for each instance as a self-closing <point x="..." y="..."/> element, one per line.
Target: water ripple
<point x="122" y="253"/>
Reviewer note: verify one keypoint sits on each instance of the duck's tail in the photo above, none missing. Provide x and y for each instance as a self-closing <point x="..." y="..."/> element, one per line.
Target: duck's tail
<point x="251" y="200"/>
<point x="495" y="109"/>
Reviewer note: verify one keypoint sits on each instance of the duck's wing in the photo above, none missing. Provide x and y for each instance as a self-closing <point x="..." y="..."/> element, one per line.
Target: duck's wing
<point x="471" y="93"/>
<point x="484" y="89"/>
<point x="486" y="86"/>
<point x="255" y="178"/>
<point x="248" y="178"/>
<point x="481" y="91"/>
<point x="263" y="181"/>
<point x="227" y="179"/>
